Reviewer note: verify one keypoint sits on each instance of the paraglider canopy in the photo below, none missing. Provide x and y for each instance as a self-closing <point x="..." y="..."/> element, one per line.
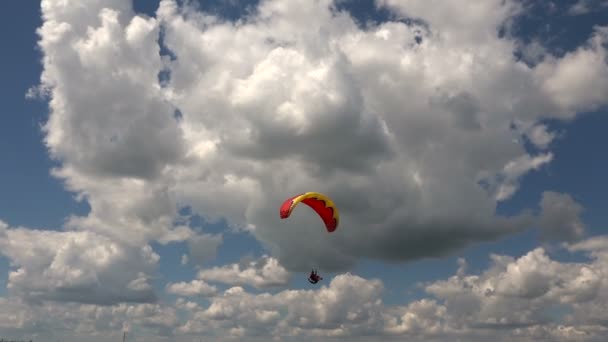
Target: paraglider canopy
<point x="320" y="203"/>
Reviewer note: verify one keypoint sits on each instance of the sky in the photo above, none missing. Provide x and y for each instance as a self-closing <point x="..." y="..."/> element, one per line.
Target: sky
<point x="146" y="147"/>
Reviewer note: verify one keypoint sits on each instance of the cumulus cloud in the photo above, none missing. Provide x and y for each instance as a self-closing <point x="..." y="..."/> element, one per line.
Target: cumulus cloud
<point x="528" y="297"/>
<point x="415" y="128"/>
<point x="531" y="297"/>
<point x="261" y="273"/>
<point x="193" y="288"/>
<point x="396" y="121"/>
<point x="109" y="125"/>
<point x="76" y="267"/>
<point x="508" y="179"/>
<point x="540" y="136"/>
<point x="80" y="322"/>
<point x="561" y="217"/>
<point x="348" y="302"/>
<point x="578" y="81"/>
<point x="277" y="108"/>
<point x="582" y="7"/>
<point x="459" y="21"/>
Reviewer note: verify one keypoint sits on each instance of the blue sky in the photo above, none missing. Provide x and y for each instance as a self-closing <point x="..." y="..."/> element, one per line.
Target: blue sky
<point x="228" y="80"/>
<point x="21" y="135"/>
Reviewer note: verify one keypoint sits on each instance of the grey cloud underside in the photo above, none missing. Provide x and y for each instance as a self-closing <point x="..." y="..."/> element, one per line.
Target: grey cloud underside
<point x="435" y="239"/>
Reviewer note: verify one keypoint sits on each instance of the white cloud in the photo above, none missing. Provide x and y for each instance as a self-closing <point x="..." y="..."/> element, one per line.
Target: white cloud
<point x="533" y="52"/>
<point x="433" y="123"/>
<point x="579" y="81"/>
<point x="397" y="122"/>
<point x="561" y="217"/>
<point x="295" y="98"/>
<point x="193" y="288"/>
<point x="518" y="295"/>
<point x="513" y="170"/>
<point x="109" y="124"/>
<point x="348" y="302"/>
<point x="84" y="322"/>
<point x="586" y="6"/>
<point x="580" y="7"/>
<point x="527" y="298"/>
<point x="530" y="297"/>
<point x="540" y="136"/>
<point x="76" y="267"/>
<point x="457" y="21"/>
<point x="262" y="273"/>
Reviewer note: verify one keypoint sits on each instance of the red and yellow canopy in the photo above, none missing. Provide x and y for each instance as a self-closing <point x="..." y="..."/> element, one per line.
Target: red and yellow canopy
<point x="320" y="203"/>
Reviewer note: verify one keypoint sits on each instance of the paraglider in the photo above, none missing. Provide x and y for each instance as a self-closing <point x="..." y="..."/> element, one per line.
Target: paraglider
<point x="320" y="203"/>
<point x="323" y="206"/>
<point x="314" y="277"/>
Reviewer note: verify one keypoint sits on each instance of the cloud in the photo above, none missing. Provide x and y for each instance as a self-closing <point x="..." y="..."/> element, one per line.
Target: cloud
<point x="531" y="297"/>
<point x="457" y="21"/>
<point x="396" y="121"/>
<point x="540" y="136"/>
<point x="512" y="172"/>
<point x="533" y="52"/>
<point x="347" y="302"/>
<point x="193" y="288"/>
<point x="414" y="177"/>
<point x="117" y="66"/>
<point x="519" y="295"/>
<point x="109" y="125"/>
<point x="582" y="7"/>
<point x="76" y="267"/>
<point x="561" y="217"/>
<point x="84" y="322"/>
<point x="262" y="273"/>
<point x="527" y="297"/>
<point x="578" y="81"/>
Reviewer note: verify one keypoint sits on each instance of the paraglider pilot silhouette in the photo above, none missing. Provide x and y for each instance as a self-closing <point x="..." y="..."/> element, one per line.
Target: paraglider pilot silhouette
<point x="323" y="206"/>
<point x="314" y="277"/>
